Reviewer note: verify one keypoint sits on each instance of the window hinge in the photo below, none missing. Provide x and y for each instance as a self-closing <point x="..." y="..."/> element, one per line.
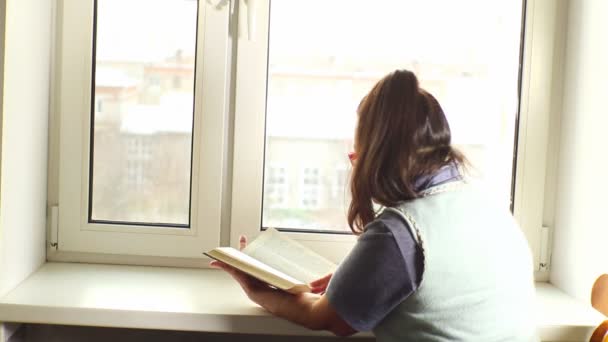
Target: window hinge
<point x="545" y="249"/>
<point x="54" y="242"/>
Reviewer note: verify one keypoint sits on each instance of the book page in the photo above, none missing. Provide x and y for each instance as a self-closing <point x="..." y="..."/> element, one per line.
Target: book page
<point x="288" y="256"/>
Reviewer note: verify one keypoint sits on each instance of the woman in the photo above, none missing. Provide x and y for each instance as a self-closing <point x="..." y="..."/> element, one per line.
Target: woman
<point x="441" y="263"/>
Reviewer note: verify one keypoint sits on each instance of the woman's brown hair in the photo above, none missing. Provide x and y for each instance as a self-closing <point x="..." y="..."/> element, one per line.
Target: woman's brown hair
<point x="402" y="134"/>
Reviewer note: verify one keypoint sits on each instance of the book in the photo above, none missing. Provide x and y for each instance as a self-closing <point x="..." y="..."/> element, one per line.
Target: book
<point x="277" y="260"/>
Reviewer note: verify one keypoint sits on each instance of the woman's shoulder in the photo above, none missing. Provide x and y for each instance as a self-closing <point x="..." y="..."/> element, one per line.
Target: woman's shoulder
<point x="384" y="224"/>
<point x="392" y="228"/>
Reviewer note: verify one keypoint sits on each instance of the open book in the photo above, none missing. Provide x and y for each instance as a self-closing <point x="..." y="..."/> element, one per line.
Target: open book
<point x="277" y="260"/>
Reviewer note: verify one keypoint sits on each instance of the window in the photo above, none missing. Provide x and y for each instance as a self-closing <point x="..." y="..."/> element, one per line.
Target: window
<point x="298" y="87"/>
<point x="140" y="177"/>
<point x="124" y="56"/>
<point x="325" y="72"/>
<point x="156" y="160"/>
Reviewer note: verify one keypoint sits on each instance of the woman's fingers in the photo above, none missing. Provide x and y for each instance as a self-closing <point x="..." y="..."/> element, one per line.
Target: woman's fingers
<point x="320" y="285"/>
<point x="222" y="265"/>
<point x="242" y="242"/>
<point x="247" y="282"/>
<point x="216" y="264"/>
<point x="321" y="281"/>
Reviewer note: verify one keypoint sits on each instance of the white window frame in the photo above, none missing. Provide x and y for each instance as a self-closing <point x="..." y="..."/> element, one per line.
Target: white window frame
<point x="79" y="240"/>
<point x="540" y="110"/>
<point x="542" y="22"/>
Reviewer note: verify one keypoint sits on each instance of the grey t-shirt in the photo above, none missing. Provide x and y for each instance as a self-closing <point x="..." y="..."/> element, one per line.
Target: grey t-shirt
<point x="384" y="267"/>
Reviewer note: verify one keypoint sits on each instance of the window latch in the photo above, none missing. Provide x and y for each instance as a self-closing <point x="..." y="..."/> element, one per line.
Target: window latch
<point x="54" y="227"/>
<point x="545" y="249"/>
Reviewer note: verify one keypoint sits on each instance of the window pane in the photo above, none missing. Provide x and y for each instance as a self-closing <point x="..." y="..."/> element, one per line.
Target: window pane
<point x="466" y="53"/>
<point x="143" y="111"/>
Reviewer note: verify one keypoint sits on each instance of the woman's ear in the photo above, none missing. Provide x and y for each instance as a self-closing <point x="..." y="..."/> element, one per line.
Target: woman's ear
<point x="599" y="294"/>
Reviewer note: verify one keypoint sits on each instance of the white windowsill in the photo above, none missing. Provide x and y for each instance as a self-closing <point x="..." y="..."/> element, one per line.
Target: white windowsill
<point x="202" y="300"/>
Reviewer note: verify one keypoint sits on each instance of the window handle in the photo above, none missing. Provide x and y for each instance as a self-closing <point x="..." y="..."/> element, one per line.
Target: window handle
<point x="218" y="4"/>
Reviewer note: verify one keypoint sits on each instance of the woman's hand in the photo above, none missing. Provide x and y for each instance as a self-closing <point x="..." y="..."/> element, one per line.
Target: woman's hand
<point x="306" y="309"/>
<point x="320" y="285"/>
<point x="255" y="289"/>
<point x="242" y="242"/>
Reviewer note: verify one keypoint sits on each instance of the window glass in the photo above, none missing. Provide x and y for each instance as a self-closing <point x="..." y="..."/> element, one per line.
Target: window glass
<point x="276" y="187"/>
<point x="466" y="53"/>
<point x="310" y="188"/>
<point x="142" y="119"/>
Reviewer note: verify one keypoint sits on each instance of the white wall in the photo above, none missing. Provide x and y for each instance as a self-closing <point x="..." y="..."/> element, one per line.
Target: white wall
<point x="580" y="251"/>
<point x="24" y="115"/>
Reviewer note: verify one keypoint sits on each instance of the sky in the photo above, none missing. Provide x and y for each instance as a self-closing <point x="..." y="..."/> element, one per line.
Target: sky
<point x="145" y="30"/>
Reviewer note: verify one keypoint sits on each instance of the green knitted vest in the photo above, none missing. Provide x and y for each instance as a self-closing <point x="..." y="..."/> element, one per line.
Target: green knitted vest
<point x="478" y="282"/>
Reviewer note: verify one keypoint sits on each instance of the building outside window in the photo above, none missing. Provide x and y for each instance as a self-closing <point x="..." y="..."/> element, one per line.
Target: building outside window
<point x="310" y="188"/>
<point x="276" y="187"/>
